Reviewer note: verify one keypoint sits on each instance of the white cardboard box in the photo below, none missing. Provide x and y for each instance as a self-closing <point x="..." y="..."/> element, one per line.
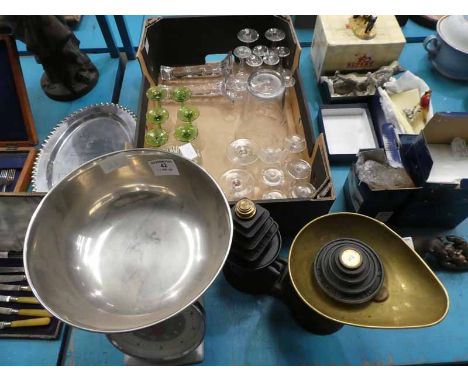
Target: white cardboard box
<point x="335" y="47"/>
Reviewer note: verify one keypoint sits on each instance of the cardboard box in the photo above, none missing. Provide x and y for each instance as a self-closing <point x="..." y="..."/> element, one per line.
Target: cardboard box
<point x="175" y="41"/>
<point x="347" y="130"/>
<point x="442" y="202"/>
<point x="335" y="46"/>
<point x="17" y="131"/>
<point x="379" y="204"/>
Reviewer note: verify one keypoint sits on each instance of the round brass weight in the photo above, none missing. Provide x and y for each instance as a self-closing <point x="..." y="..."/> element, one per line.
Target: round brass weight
<point x="245" y="209"/>
<point x="351" y="259"/>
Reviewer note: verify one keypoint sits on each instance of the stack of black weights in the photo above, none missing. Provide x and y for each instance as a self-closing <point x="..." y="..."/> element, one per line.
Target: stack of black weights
<point x="255" y="246"/>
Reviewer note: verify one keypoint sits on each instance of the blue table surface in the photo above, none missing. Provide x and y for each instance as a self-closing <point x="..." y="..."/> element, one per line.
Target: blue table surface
<point x="243" y="329"/>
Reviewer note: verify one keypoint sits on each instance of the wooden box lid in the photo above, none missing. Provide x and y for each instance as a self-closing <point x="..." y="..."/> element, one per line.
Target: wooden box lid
<point x="16" y="122"/>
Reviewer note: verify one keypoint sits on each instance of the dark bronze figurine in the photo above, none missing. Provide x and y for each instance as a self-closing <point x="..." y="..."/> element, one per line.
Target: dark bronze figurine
<point x="450" y="252"/>
<point x="68" y="73"/>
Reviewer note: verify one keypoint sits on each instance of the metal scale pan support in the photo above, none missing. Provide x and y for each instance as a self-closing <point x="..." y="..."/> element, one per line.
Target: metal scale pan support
<point x="343" y="269"/>
<point x="176" y="341"/>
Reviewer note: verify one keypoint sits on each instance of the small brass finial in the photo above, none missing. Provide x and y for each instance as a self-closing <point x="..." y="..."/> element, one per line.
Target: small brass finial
<point x="245" y="209"/>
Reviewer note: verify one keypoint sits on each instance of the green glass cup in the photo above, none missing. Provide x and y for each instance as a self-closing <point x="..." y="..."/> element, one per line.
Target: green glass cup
<point x="157" y="94"/>
<point x="188" y="113"/>
<point x="156" y="137"/>
<point x="157" y="116"/>
<point x="186" y="132"/>
<point x="181" y="94"/>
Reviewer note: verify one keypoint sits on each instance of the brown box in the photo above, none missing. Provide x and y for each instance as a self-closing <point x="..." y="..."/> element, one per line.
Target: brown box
<point x="182" y="41"/>
<point x="17" y="131"/>
<point x="336" y="47"/>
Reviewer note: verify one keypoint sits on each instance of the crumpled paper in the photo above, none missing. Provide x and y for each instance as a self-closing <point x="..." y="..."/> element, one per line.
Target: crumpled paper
<point x="372" y="168"/>
<point x="405" y="82"/>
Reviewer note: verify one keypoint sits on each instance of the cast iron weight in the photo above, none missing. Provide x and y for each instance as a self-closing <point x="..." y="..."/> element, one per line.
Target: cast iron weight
<point x="253" y="265"/>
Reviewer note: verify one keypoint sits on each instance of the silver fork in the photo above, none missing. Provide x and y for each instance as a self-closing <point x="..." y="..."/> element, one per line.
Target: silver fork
<point x="7" y="177"/>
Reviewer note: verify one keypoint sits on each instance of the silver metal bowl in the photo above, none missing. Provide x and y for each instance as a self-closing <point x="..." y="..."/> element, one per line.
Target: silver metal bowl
<point x="127" y="241"/>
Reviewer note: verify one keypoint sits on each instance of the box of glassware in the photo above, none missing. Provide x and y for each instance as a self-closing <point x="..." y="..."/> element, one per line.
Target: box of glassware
<point x="377" y="185"/>
<point x="242" y="116"/>
<point x="17" y="131"/>
<point x="437" y="157"/>
<point x="339" y="44"/>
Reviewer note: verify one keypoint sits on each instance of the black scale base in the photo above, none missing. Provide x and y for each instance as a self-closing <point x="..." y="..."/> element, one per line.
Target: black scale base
<point x="254" y="267"/>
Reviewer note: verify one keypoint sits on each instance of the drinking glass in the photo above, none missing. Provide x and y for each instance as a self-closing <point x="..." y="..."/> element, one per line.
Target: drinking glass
<point x="242" y="53"/>
<point x="303" y="190"/>
<point x="298" y="169"/>
<point x="157" y="136"/>
<point x="248" y="36"/>
<point x="186" y="131"/>
<point x="254" y="62"/>
<point x="271" y="59"/>
<point x="238" y="184"/>
<point x="181" y="94"/>
<point x="242" y="152"/>
<point x="283" y="52"/>
<point x="271" y="153"/>
<point x="263" y="120"/>
<point x="157" y="94"/>
<point x="272" y="176"/>
<point x="294" y="144"/>
<point x="260" y="50"/>
<point x="274" y="35"/>
<point x="274" y="194"/>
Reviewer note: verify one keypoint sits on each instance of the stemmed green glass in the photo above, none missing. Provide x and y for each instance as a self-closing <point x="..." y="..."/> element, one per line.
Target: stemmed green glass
<point x="187" y="131"/>
<point x="157" y="94"/>
<point x="157" y="136"/>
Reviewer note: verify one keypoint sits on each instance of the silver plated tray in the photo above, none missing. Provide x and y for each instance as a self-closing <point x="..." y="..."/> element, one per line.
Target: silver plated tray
<point x="82" y="136"/>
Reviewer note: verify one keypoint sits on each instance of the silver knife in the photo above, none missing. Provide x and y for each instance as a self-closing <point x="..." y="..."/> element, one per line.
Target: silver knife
<point x="11" y="269"/>
<point x="12" y="279"/>
<point x="17" y="288"/>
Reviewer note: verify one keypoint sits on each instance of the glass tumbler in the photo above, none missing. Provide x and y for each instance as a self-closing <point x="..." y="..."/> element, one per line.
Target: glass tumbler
<point x="263" y="120"/>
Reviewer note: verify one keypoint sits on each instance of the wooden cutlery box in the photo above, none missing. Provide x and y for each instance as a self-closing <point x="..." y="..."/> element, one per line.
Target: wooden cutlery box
<point x="16" y="211"/>
<point x="17" y="132"/>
